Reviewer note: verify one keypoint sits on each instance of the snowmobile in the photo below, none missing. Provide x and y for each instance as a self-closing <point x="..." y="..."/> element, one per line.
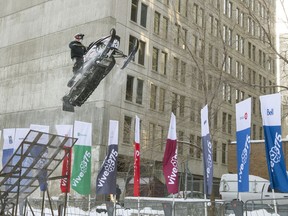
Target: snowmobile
<point x="99" y="60"/>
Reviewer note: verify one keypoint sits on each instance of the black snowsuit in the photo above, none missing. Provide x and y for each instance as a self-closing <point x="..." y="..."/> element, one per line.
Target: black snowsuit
<point x="77" y="52"/>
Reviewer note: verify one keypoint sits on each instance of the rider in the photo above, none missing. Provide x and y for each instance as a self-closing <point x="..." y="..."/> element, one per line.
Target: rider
<point x="77" y="52"/>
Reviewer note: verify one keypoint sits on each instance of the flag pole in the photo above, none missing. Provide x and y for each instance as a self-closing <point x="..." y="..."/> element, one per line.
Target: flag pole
<point x="138" y="206"/>
<point x="274" y="201"/>
<point x="205" y="197"/>
<point x="173" y="205"/>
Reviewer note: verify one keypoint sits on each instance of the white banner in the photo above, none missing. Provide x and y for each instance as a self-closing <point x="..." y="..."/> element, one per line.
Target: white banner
<point x="204" y="121"/>
<point x="271" y="109"/>
<point x="65" y="130"/>
<point x="113" y="133"/>
<point x="9" y="137"/>
<point x="243" y="115"/>
<point x="20" y="134"/>
<point x="83" y="131"/>
<point x="41" y="128"/>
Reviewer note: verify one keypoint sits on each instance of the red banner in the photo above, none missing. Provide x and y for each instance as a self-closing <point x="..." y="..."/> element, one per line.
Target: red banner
<point x="66" y="171"/>
<point x="136" y="169"/>
<point x="170" y="162"/>
<point x="137" y="158"/>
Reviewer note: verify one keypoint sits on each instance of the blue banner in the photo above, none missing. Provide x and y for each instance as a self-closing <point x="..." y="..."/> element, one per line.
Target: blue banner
<point x="106" y="179"/>
<point x="243" y="131"/>
<point x="271" y="116"/>
<point x="207" y="152"/>
<point x="243" y="159"/>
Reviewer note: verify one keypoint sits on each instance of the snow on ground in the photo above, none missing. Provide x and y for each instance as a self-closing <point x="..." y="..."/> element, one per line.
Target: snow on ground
<point x="260" y="212"/>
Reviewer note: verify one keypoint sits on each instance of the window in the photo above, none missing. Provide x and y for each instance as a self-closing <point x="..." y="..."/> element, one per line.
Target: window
<point x="182" y="106"/>
<point x="192" y="110"/>
<point x="195" y="44"/>
<point x="132" y="39"/>
<point x="139" y="96"/>
<point x="161" y="100"/>
<point x="191" y="146"/>
<point x="175" y="69"/>
<point x="229" y="96"/>
<point x="224" y="146"/>
<point x="227" y="9"/>
<point x="201" y="17"/>
<point x="229" y="65"/>
<point x="160" y="136"/>
<point x="183" y="72"/>
<point x="134" y="10"/>
<point x="195" y="13"/>
<point x="153" y="97"/>
<point x="155" y="59"/>
<point x="225" y="33"/>
<point x="210" y="53"/>
<point x="198" y="149"/>
<point x="224" y="122"/>
<point x="216" y="58"/>
<point x="129" y="88"/>
<point x="181" y="138"/>
<point x="127" y="129"/>
<point x="174" y="103"/>
<point x="194" y="77"/>
<point x="215" y="120"/>
<point x="165" y="27"/>
<point x="215" y="151"/>
<point x="152" y="128"/>
<point x="141" y="52"/>
<point x="230" y="37"/>
<point x="216" y="28"/>
<point x="211" y="24"/>
<point x="143" y="15"/>
<point x="184" y="38"/>
<point x="229" y="124"/>
<point x="156" y="23"/>
<point x="163" y="63"/>
<point x="178" y="5"/>
<point x="177" y="39"/>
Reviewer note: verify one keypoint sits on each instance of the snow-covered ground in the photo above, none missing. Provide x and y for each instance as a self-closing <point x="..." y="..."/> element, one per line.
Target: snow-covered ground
<point x="260" y="212"/>
<point x="134" y="212"/>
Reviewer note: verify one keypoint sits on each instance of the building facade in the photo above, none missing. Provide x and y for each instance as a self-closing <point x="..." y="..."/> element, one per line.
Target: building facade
<point x="191" y="53"/>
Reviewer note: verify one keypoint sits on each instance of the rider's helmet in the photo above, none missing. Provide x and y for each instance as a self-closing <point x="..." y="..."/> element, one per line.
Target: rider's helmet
<point x="79" y="36"/>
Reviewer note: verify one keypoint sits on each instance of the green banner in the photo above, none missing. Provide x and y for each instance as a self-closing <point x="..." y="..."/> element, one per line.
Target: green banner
<point x="81" y="173"/>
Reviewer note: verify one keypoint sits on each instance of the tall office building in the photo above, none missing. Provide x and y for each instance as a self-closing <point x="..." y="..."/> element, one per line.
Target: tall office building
<point x="191" y="53"/>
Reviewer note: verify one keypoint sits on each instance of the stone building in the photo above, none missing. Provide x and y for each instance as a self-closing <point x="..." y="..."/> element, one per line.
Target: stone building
<point x="191" y="53"/>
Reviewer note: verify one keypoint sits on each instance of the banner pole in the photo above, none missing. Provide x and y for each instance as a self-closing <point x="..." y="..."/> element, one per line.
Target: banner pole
<point x="138" y="206"/>
<point x="205" y="197"/>
<point x="114" y="200"/>
<point x="274" y="201"/>
<point x="173" y="205"/>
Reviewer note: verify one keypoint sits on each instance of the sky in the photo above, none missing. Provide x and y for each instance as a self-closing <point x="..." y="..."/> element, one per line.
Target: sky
<point x="281" y="16"/>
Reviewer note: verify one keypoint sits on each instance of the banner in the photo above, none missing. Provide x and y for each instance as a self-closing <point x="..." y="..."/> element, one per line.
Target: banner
<point x="36" y="150"/>
<point x="20" y="135"/>
<point x="66" y="130"/>
<point x="207" y="152"/>
<point x="8" y="145"/>
<point x="106" y="179"/>
<point x="271" y="117"/>
<point x="170" y="162"/>
<point x="137" y="158"/>
<point x="243" y="132"/>
<point x="81" y="172"/>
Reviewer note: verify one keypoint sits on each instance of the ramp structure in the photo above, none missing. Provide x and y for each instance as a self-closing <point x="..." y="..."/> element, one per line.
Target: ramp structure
<point x="30" y="167"/>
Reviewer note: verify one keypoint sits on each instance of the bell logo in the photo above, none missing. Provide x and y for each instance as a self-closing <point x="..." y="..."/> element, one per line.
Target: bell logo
<point x="270" y="112"/>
